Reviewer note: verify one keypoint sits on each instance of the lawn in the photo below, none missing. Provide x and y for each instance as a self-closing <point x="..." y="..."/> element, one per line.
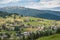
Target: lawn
<point x="52" y="37"/>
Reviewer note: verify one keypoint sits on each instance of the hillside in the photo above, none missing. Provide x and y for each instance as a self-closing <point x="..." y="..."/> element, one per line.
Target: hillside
<point x="47" y="14"/>
<point x="4" y="14"/>
<point x="53" y="37"/>
<point x="19" y="27"/>
<point x="31" y="20"/>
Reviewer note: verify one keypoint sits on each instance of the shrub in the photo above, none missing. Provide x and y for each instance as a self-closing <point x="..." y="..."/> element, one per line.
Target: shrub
<point x="58" y="30"/>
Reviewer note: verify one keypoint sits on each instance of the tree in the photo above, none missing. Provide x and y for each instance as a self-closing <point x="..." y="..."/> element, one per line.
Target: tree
<point x="16" y="28"/>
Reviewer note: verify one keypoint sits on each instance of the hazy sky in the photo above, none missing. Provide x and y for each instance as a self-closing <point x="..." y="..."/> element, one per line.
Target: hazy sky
<point x="36" y="4"/>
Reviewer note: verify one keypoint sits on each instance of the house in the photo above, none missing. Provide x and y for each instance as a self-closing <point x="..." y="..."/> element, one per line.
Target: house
<point x="26" y="33"/>
<point x="53" y="27"/>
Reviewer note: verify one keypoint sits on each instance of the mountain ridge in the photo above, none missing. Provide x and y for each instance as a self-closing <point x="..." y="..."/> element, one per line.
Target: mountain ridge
<point x="48" y="14"/>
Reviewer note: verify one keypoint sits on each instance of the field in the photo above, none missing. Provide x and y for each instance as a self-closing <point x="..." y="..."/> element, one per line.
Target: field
<point x="52" y="37"/>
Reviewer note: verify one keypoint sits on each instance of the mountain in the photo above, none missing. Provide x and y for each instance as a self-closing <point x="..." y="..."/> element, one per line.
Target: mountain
<point x="56" y="8"/>
<point x="47" y="14"/>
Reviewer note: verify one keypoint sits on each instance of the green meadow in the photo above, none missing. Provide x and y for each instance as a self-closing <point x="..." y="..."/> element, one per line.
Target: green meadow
<point x="52" y="37"/>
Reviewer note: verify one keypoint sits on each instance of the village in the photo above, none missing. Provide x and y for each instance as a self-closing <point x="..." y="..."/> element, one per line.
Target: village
<point x="16" y="27"/>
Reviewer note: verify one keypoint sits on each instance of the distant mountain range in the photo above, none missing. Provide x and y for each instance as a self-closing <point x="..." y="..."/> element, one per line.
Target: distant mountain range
<point x="47" y="14"/>
<point x="56" y="8"/>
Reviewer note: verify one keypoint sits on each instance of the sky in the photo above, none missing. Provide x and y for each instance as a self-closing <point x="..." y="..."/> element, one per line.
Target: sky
<point x="35" y="4"/>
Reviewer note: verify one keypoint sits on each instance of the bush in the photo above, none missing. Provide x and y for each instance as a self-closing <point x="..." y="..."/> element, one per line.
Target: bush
<point x="58" y="30"/>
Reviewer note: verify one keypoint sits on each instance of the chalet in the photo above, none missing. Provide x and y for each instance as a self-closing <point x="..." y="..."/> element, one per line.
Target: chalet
<point x="53" y="27"/>
<point x="26" y="33"/>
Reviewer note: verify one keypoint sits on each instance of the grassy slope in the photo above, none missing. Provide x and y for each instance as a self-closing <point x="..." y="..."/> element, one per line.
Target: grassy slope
<point x="41" y="22"/>
<point x="53" y="37"/>
<point x="34" y="23"/>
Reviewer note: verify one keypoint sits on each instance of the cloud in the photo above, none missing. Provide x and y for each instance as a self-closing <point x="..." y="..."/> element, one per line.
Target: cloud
<point x="8" y="1"/>
<point x="4" y="1"/>
<point x="44" y="4"/>
<point x="36" y="4"/>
